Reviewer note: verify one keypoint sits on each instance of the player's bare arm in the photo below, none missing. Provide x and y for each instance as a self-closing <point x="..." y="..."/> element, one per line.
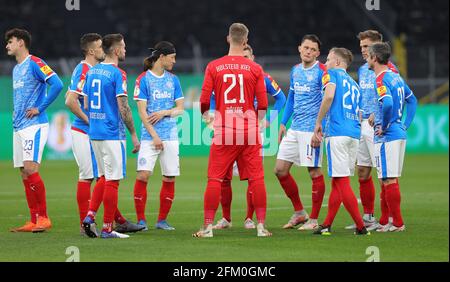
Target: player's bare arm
<point x="74" y="106"/>
<point x="142" y="110"/>
<point x="330" y="90"/>
<point x="127" y="118"/>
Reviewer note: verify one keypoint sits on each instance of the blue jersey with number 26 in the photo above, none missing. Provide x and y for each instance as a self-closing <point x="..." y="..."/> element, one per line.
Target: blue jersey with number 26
<point x="343" y="116"/>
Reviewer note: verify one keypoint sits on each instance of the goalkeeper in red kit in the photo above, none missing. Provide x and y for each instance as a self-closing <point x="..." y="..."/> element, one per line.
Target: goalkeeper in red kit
<point x="236" y="81"/>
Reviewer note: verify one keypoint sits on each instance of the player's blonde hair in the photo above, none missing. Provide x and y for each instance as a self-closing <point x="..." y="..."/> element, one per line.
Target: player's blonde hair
<point x="343" y="53"/>
<point x="373" y="35"/>
<point x="238" y="33"/>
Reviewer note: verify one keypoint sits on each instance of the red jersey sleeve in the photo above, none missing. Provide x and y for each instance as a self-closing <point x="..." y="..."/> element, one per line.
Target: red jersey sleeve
<point x="207" y="89"/>
<point x="261" y="96"/>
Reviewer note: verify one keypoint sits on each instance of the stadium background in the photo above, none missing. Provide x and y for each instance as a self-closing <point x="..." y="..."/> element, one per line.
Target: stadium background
<point x="417" y="30"/>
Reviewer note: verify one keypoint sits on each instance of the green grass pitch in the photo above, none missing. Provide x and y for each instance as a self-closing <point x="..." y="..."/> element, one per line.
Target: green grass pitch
<point x="425" y="194"/>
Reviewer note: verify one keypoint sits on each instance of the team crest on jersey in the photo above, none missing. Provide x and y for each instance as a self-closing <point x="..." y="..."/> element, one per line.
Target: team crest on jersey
<point x="382" y="90"/>
<point x="309" y="77"/>
<point x="325" y="79"/>
<point x="46" y="70"/>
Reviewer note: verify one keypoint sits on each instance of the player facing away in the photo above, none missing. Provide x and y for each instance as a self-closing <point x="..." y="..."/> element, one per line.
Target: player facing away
<point x="303" y="103"/>
<point x="236" y="81"/>
<point x="31" y="76"/>
<point x="91" y="46"/>
<point x="160" y="99"/>
<point x="369" y="103"/>
<point x="275" y="91"/>
<point x="342" y="103"/>
<point x="390" y="133"/>
<point x="109" y="113"/>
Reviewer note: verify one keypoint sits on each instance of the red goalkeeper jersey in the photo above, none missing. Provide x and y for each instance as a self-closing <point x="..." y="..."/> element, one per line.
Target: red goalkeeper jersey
<point x="236" y="81"/>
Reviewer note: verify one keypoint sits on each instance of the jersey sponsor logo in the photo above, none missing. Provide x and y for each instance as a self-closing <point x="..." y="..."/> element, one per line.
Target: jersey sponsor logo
<point x="382" y="90"/>
<point x="365" y="85"/>
<point x="46" y="70"/>
<point x="325" y="79"/>
<point x="18" y="84"/>
<point x="301" y="88"/>
<point x="161" y="95"/>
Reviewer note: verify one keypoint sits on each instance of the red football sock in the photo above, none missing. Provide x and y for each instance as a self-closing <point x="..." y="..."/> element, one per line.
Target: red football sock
<point x="118" y="217"/>
<point x="318" y="191"/>
<point x="83" y="198"/>
<point x="225" y="199"/>
<point x="37" y="185"/>
<point x="258" y="187"/>
<point x="334" y="203"/>
<point x="393" y="199"/>
<point x="291" y="190"/>
<point x="97" y="197"/>
<point x="31" y="200"/>
<point x="349" y="200"/>
<point x="250" y="207"/>
<point x="384" y="219"/>
<point x="166" y="196"/>
<point x="367" y="194"/>
<point x="211" y="201"/>
<point x="110" y="199"/>
<point x="140" y="199"/>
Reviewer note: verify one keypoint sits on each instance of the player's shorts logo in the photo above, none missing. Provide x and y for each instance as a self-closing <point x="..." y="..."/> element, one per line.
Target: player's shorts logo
<point x="142" y="161"/>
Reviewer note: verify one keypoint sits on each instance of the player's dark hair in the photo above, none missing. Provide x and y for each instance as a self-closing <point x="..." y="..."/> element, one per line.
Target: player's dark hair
<point x="20" y="34"/>
<point x="312" y="37"/>
<point x="344" y="54"/>
<point x="373" y="35"/>
<point x="161" y="48"/>
<point x="86" y="41"/>
<point x="109" y="41"/>
<point x="381" y="51"/>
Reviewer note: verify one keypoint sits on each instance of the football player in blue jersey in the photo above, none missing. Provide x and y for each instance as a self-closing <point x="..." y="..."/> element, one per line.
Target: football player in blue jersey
<point x="31" y="76"/>
<point x="369" y="102"/>
<point x="341" y="106"/>
<point x="160" y="99"/>
<point x="390" y="133"/>
<point x="91" y="46"/>
<point x="303" y="103"/>
<point x="109" y="114"/>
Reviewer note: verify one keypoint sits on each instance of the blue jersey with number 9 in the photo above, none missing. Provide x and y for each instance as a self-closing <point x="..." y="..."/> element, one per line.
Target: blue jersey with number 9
<point x="343" y="116"/>
<point x="104" y="83"/>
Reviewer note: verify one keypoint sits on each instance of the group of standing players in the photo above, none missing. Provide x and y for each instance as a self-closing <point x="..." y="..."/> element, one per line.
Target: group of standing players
<point x="356" y="123"/>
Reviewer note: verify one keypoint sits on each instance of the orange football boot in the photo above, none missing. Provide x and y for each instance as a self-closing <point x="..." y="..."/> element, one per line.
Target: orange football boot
<point x="42" y="224"/>
<point x="28" y="227"/>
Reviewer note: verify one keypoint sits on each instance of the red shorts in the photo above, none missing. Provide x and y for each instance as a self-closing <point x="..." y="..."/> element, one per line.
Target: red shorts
<point x="248" y="157"/>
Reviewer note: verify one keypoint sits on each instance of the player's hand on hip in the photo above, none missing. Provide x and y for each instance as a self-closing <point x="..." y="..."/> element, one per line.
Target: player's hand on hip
<point x="379" y="130"/>
<point x="371" y="120"/>
<point x="136" y="144"/>
<point x="30" y="113"/>
<point x="155" y="117"/>
<point x="158" y="143"/>
<point x="281" y="133"/>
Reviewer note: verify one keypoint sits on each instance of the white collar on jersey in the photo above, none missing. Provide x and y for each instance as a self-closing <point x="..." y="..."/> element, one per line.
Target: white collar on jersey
<point x="303" y="67"/>
<point x="157" y="76"/>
